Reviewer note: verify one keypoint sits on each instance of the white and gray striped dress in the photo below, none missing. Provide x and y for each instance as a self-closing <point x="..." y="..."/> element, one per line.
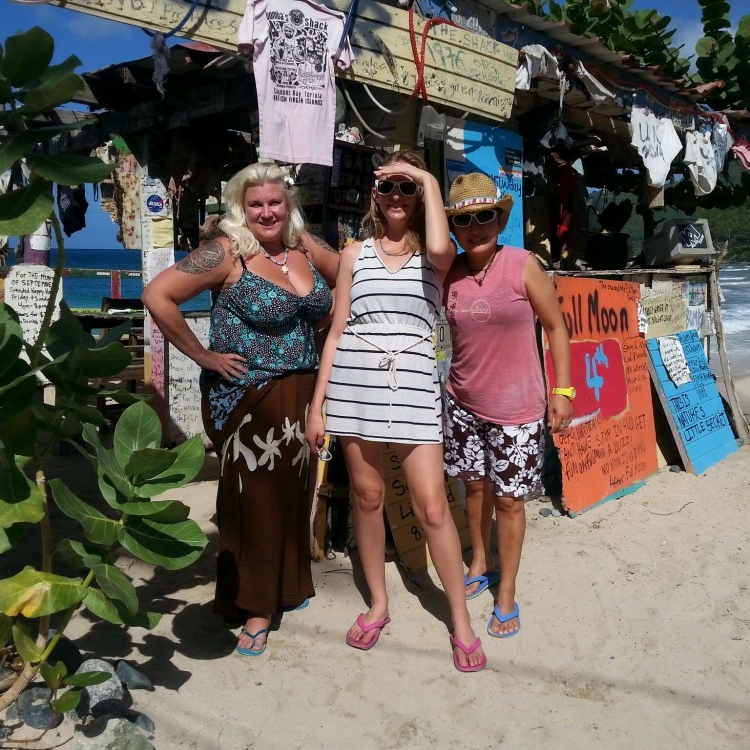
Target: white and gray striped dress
<point x="384" y="383"/>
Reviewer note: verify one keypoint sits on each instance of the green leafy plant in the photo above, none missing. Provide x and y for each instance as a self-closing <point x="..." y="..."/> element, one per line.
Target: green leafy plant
<point x="126" y="519"/>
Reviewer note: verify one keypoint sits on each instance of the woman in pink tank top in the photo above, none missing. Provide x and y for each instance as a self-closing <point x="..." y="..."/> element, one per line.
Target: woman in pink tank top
<point x="496" y="400"/>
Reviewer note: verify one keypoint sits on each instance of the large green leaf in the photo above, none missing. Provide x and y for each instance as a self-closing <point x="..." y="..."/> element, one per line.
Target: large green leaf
<point x="145" y="464"/>
<point x="47" y="97"/>
<point x="166" y="511"/>
<point x="10" y="537"/>
<point x="25" y="644"/>
<point x="113" y="484"/>
<point x="21" y="501"/>
<point x="6" y="630"/>
<point x="11" y="338"/>
<point x="137" y="428"/>
<point x="98" y="528"/>
<point x="188" y="462"/>
<point x="100" y="362"/>
<point x="34" y="594"/>
<point x="23" y="211"/>
<point x="27" y="56"/>
<point x="173" y="546"/>
<point x="19" y="431"/>
<point x="22" y="143"/>
<point x="87" y="414"/>
<point x="97" y="603"/>
<point x="55" y="73"/>
<point x="72" y="553"/>
<point x="114" y="583"/>
<point x="69" y="169"/>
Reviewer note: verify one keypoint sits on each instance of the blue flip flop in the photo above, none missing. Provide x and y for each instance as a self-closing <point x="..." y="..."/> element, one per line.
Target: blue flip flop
<point x="490" y="578"/>
<point x="303" y="605"/>
<point x="252" y="636"/>
<point x="503" y="618"/>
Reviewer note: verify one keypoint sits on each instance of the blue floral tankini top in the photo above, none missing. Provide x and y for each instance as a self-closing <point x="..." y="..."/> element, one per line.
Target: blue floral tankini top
<point x="271" y="327"/>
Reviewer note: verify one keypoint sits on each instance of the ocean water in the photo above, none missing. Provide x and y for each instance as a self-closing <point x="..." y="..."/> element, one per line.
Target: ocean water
<point x="734" y="281"/>
<point x="87" y="293"/>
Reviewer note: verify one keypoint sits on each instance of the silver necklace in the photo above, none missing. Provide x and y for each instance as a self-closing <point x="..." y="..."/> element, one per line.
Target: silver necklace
<point x="483" y="271"/>
<point x="281" y="263"/>
<point x="405" y="251"/>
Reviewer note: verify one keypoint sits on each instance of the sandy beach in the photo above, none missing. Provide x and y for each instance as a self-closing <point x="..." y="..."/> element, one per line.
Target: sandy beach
<point x="635" y="628"/>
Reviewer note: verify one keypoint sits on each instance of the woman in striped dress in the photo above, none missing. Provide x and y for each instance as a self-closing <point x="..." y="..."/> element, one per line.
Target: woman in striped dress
<point x="378" y="376"/>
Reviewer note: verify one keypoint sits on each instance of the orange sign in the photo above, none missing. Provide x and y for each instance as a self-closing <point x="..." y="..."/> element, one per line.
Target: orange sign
<point x="611" y="445"/>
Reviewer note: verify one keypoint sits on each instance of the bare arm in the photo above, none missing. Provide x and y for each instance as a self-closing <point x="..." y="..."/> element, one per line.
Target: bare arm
<point x="207" y="267"/>
<point x="323" y="257"/>
<point x="315" y="430"/>
<point x="438" y="245"/>
<point x="543" y="298"/>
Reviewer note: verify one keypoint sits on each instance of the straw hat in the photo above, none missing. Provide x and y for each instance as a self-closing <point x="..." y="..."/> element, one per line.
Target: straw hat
<point x="476" y="192"/>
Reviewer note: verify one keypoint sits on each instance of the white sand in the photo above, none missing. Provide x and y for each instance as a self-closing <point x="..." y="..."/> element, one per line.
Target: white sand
<point x="635" y="633"/>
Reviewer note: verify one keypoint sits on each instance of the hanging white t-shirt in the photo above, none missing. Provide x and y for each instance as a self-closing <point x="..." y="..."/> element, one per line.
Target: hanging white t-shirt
<point x="701" y="161"/>
<point x="292" y="44"/>
<point x="656" y="141"/>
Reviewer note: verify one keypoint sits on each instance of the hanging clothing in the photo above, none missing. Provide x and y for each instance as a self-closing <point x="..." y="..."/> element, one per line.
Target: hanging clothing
<point x="722" y="142"/>
<point x="292" y="43"/>
<point x="72" y="205"/>
<point x="657" y="143"/>
<point x="384" y="383"/>
<point x="536" y="61"/>
<point x="701" y="161"/>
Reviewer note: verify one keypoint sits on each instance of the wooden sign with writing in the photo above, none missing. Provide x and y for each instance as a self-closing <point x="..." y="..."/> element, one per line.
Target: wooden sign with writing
<point x="462" y="69"/>
<point x="665" y="314"/>
<point x="408" y="535"/>
<point x="691" y="401"/>
<point x="27" y="290"/>
<point x="610" y="448"/>
<point x="183" y="389"/>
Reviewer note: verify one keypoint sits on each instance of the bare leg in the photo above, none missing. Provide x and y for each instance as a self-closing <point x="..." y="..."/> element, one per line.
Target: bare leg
<point x="364" y="463"/>
<point x="423" y="467"/>
<point x="479" y="516"/>
<point x="511" y="529"/>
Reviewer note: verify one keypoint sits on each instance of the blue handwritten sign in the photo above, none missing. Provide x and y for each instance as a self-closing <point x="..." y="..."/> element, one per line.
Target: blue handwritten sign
<point x="692" y="403"/>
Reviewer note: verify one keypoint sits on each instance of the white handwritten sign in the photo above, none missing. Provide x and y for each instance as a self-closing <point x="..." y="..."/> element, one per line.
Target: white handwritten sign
<point x="674" y="360"/>
<point x="183" y="392"/>
<point x="27" y="290"/>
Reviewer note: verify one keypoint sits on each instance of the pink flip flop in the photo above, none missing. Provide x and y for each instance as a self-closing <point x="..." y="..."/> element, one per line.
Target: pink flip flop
<point x="467" y="650"/>
<point x="378" y="625"/>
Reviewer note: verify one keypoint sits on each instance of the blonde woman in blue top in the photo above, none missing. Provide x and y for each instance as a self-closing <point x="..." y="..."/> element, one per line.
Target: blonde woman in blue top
<point x="258" y="373"/>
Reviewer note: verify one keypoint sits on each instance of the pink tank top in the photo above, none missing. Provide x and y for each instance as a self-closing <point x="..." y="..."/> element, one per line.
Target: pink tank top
<point x="495" y="371"/>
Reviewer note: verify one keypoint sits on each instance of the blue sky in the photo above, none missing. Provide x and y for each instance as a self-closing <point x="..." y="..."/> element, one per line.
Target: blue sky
<point x="99" y="43"/>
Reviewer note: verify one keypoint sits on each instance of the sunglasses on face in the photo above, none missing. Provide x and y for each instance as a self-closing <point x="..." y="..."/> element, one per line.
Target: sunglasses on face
<point x="481" y="217"/>
<point x="407" y="188"/>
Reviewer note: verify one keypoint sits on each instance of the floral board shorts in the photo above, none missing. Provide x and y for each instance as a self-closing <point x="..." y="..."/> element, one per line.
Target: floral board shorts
<point x="510" y="455"/>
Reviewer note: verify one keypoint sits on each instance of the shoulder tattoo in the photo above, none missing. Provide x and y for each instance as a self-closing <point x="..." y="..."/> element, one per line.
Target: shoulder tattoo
<point x="202" y="259"/>
<point x="321" y="241"/>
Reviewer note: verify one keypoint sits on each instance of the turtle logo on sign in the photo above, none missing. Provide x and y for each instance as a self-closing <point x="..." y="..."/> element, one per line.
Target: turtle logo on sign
<point x="155" y="204"/>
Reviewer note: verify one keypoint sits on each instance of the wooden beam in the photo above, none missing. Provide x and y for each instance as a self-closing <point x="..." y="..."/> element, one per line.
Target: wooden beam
<point x="461" y="69"/>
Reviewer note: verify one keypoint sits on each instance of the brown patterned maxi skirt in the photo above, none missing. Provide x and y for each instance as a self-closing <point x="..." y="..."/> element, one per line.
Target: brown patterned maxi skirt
<point x="262" y="503"/>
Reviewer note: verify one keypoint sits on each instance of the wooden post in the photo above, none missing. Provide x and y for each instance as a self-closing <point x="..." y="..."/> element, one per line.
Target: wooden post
<point x="115" y="284"/>
<point x="740" y="424"/>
